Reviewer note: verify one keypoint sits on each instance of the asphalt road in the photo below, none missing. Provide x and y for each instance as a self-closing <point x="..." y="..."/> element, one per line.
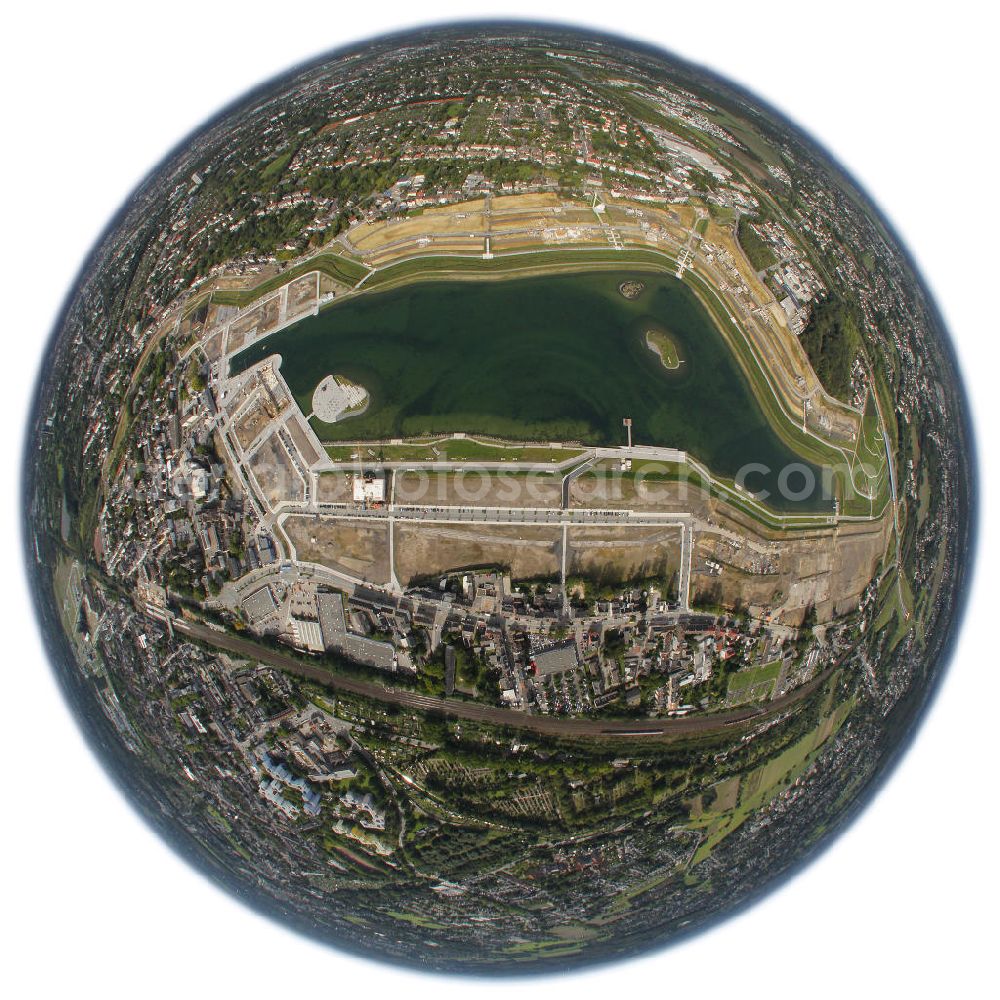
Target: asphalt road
<point x="544" y="724"/>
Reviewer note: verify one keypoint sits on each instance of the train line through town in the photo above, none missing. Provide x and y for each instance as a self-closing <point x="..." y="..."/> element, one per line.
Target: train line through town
<point x="669" y="728"/>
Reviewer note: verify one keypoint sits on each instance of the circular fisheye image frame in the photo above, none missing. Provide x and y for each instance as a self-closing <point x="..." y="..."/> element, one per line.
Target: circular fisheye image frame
<point x="515" y="766"/>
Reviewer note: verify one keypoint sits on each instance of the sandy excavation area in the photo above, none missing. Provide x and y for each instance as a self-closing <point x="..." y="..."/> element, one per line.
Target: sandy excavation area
<point x="357" y="550"/>
<point x="426" y="550"/>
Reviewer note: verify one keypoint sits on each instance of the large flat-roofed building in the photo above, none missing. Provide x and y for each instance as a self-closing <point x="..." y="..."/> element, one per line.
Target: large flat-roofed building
<point x="333" y="626"/>
<point x="308" y="634"/>
<point x="330" y="609"/>
<point x="369" y="488"/>
<point x="260" y="604"/>
<point x="371" y="652"/>
<point x="556" y="659"/>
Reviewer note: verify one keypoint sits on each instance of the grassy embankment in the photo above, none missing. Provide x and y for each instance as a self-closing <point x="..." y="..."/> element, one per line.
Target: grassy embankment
<point x="449" y="450"/>
<point x="341" y="269"/>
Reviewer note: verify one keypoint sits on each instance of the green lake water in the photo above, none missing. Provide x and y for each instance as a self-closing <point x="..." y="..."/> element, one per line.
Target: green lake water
<point x="555" y="357"/>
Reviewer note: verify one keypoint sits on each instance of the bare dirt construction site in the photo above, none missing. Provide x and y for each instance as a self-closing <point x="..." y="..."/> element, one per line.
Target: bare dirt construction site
<point x="275" y="473"/>
<point x="511" y="222"/>
<point x="472" y="488"/>
<point x="619" y="554"/>
<point x="358" y="550"/>
<point x="253" y="323"/>
<point x="204" y="322"/>
<point x="454" y="221"/>
<point x="334" y="487"/>
<point x="825" y="568"/>
<point x="265" y="402"/>
<point x="302" y="294"/>
<point x="427" y="550"/>
<point x="251" y="422"/>
<point x="212" y="346"/>
<point x="783" y="571"/>
<point x="503" y="203"/>
<point x="538" y="212"/>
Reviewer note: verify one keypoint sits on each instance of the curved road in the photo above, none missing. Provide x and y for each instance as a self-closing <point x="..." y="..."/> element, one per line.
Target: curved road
<point x="543" y="724"/>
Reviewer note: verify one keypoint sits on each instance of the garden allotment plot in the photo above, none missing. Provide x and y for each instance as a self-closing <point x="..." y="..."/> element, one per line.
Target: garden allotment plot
<point x="555" y="357"/>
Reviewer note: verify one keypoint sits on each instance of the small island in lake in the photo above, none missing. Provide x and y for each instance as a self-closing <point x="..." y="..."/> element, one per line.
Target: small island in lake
<point x="661" y="344"/>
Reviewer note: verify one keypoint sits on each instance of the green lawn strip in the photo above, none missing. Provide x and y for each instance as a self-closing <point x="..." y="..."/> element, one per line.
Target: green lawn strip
<point x="740" y="682"/>
<point x="194" y="303"/>
<point x="623" y="900"/>
<point x="455" y="450"/>
<point x="277" y="166"/>
<point x="375" y="452"/>
<point x="552" y="948"/>
<point x="416" y="919"/>
<point x="886" y="402"/>
<point x="762" y="784"/>
<point x="512" y="262"/>
<point x="870" y="458"/>
<point x="469" y="449"/>
<point x="889" y="603"/>
<point x="339" y="268"/>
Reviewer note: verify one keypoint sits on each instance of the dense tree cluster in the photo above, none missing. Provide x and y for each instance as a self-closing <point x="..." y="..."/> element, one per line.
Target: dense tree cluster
<point x="832" y="342"/>
<point x="758" y="252"/>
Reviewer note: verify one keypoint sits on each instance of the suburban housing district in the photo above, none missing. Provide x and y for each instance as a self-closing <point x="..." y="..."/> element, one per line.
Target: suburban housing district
<point x="474" y="455"/>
